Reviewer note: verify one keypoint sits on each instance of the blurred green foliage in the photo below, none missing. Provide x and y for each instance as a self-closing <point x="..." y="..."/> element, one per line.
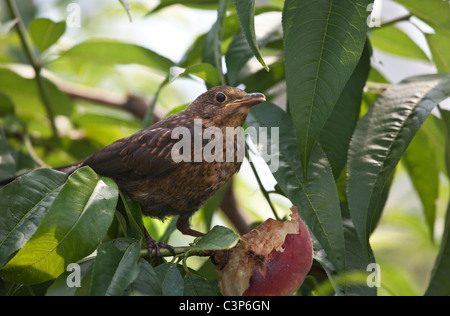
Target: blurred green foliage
<point x="360" y="156"/>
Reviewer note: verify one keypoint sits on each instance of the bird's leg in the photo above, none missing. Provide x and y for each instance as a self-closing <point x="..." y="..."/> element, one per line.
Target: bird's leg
<point x="185" y="228"/>
<point x="156" y="245"/>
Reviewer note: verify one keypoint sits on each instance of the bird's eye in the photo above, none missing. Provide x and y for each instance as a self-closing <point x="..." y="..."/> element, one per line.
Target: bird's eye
<point x="220" y="97"/>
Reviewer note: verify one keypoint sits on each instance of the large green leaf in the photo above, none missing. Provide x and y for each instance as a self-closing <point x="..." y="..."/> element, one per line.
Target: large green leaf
<point x="380" y="140"/>
<point x="45" y="32"/>
<point x="76" y="221"/>
<point x="436" y="13"/>
<point x="392" y="40"/>
<point x="317" y="197"/>
<point x="246" y="12"/>
<point x="23" y="204"/>
<point x="323" y="42"/>
<point x="440" y="276"/>
<point x="104" y="51"/>
<point x="115" y="267"/>
<point x="426" y="153"/>
<point x="338" y="130"/>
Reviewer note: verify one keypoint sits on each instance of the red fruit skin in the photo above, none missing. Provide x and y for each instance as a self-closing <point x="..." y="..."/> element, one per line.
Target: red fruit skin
<point x="272" y="259"/>
<point x="285" y="270"/>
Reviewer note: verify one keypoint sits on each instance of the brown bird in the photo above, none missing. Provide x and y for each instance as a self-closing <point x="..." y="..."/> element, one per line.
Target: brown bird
<point x="144" y="167"/>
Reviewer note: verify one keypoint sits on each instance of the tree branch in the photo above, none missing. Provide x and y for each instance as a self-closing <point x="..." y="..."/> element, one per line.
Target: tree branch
<point x="20" y="27"/>
<point x="230" y="208"/>
<point x="261" y="186"/>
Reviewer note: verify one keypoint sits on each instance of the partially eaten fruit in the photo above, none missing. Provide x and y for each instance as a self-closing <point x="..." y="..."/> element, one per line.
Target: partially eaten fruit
<point x="272" y="259"/>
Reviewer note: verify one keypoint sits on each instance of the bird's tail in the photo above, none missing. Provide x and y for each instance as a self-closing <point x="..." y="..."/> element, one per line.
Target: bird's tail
<point x="69" y="169"/>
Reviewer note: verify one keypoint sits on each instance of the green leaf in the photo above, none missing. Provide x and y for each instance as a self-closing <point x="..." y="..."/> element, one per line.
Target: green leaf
<point x="164" y="280"/>
<point x="423" y="154"/>
<point x="172" y="283"/>
<point x="317" y="198"/>
<point x="104" y="51"/>
<point x="246" y="12"/>
<point x="82" y="210"/>
<point x="198" y="4"/>
<point x="355" y="259"/>
<point x="204" y="71"/>
<point x="147" y="282"/>
<point x="212" y="48"/>
<point x="7" y="163"/>
<point x="323" y="42"/>
<point x="218" y="238"/>
<point x="28" y="106"/>
<point x="60" y="286"/>
<point x="115" y="267"/>
<point x="440" y="276"/>
<point x="239" y="53"/>
<point x="23" y="205"/>
<point x="435" y="13"/>
<point x="338" y="130"/>
<point x="196" y="285"/>
<point x="134" y="217"/>
<point x="45" y="32"/>
<point x="263" y="80"/>
<point x="127" y="8"/>
<point x="392" y="40"/>
<point x="440" y="46"/>
<point x="381" y="139"/>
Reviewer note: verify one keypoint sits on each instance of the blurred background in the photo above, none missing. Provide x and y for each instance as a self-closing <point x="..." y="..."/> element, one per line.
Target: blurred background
<point x="170" y="32"/>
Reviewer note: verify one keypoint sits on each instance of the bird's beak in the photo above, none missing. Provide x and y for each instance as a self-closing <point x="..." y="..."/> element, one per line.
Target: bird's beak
<point x="250" y="99"/>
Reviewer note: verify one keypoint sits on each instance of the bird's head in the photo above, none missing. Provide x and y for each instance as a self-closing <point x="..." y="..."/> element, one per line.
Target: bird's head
<point x="224" y="106"/>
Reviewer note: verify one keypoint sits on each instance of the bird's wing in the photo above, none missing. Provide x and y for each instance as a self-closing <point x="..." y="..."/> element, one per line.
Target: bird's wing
<point x="147" y="153"/>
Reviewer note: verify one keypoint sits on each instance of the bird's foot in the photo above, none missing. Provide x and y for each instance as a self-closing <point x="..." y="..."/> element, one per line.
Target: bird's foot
<point x="154" y="245"/>
<point x="220" y="257"/>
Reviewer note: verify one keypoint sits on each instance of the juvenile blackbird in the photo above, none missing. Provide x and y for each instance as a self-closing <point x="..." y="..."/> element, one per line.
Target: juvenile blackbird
<point x="142" y="164"/>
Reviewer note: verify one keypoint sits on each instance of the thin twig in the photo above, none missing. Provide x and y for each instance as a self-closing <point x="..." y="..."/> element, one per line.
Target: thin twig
<point x="14" y="11"/>
<point x="261" y="187"/>
<point x="32" y="153"/>
<point x="179" y="252"/>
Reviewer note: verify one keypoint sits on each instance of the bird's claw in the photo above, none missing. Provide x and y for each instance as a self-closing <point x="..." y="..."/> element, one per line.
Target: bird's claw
<point x="154" y="245"/>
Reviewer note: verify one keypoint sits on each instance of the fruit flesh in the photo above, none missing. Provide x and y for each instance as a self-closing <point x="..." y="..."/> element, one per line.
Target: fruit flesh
<point x="272" y="259"/>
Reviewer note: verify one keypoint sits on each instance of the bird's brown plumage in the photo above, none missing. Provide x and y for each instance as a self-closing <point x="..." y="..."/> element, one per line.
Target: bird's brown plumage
<point x="142" y="166"/>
